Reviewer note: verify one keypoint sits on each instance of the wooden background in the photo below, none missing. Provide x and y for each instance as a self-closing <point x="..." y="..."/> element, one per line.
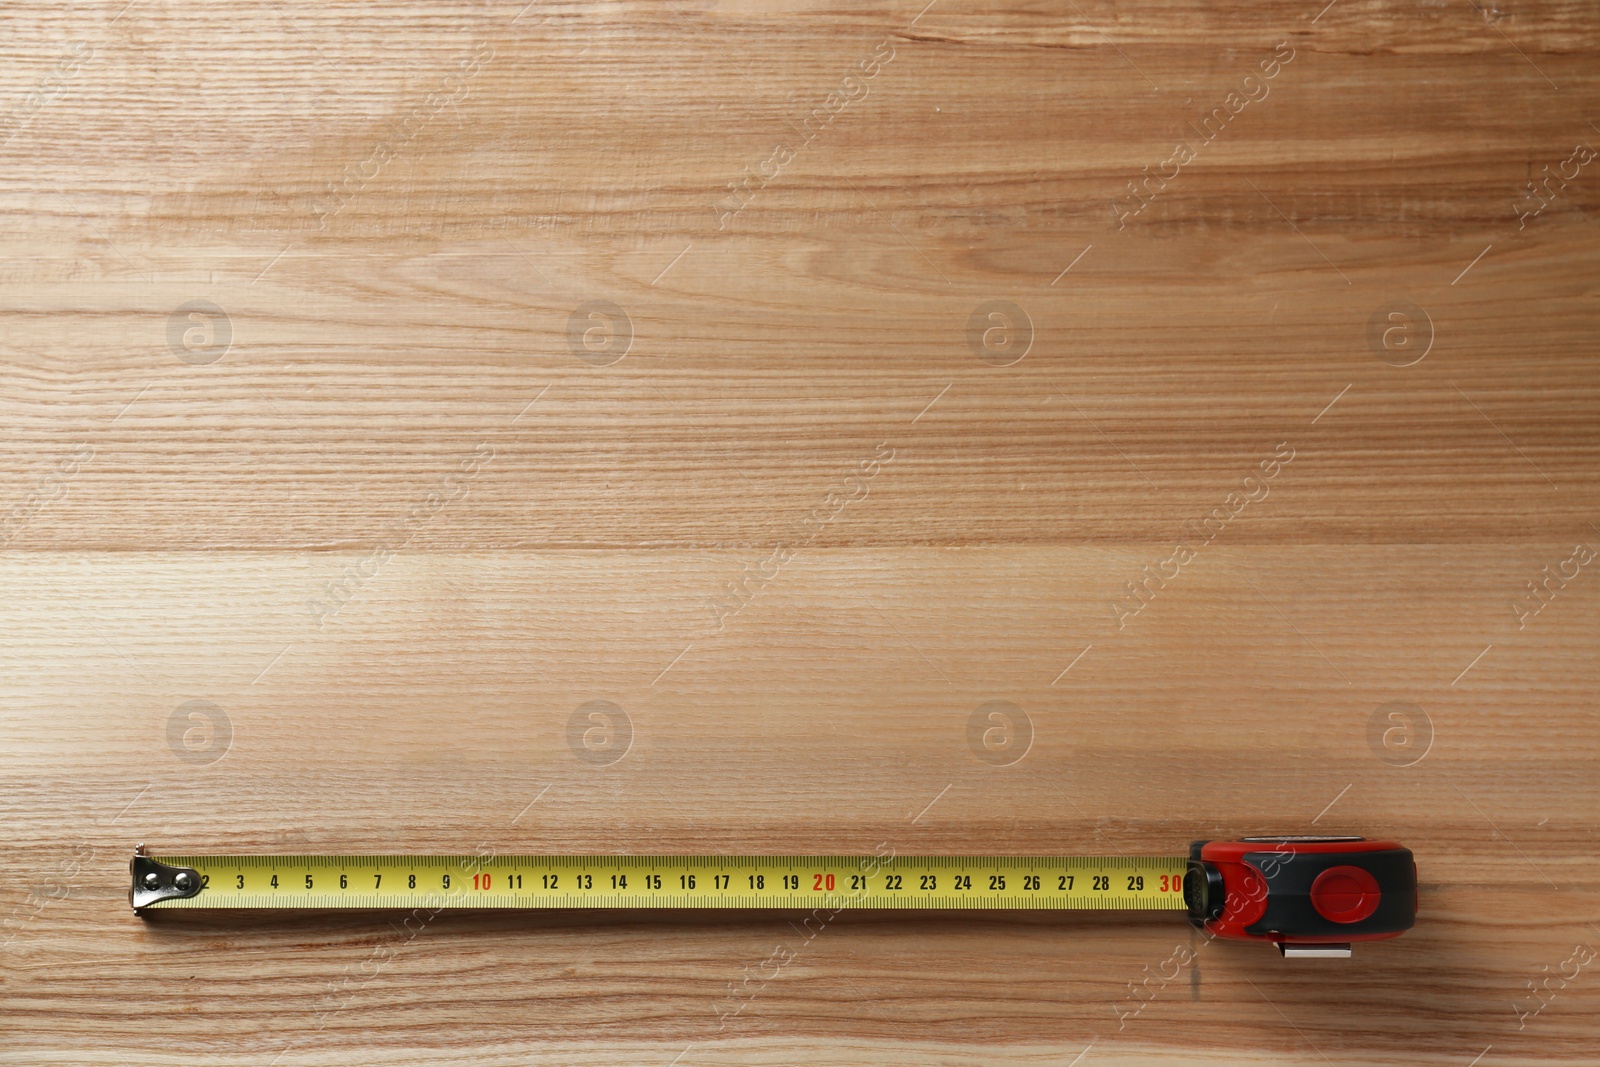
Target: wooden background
<point x="378" y="511"/>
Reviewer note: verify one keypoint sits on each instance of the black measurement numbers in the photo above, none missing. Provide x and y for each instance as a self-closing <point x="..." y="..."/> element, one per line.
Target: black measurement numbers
<point x="820" y="882"/>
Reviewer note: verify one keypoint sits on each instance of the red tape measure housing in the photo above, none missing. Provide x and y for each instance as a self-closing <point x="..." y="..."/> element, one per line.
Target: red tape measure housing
<point x="1302" y="890"/>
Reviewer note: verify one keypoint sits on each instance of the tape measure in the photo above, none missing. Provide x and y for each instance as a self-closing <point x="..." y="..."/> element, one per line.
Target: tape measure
<point x="1309" y="895"/>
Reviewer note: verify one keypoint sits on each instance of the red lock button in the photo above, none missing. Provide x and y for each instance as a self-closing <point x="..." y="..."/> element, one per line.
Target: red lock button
<point x="1345" y="894"/>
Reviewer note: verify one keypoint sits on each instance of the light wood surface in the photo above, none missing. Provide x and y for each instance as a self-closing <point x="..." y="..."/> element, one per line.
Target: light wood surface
<point x="335" y="572"/>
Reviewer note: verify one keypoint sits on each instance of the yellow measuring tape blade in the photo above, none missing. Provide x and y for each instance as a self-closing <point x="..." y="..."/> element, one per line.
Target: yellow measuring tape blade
<point x="1042" y="882"/>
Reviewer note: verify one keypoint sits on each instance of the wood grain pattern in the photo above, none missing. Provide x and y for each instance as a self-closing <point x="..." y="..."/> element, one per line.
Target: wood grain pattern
<point x="330" y="568"/>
